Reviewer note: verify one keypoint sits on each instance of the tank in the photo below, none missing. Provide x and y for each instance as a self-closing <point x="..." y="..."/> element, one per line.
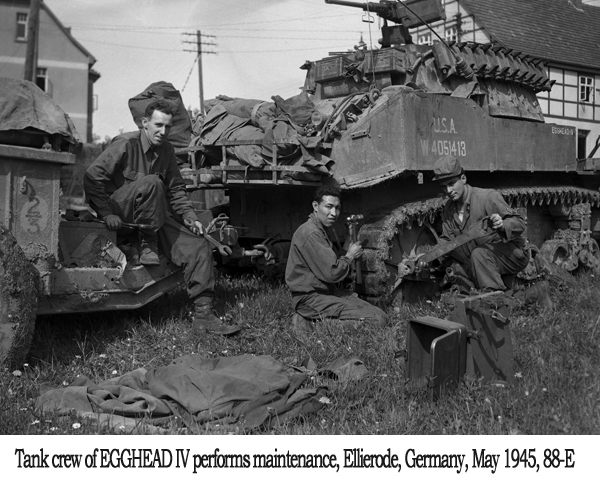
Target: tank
<point x="380" y="120"/>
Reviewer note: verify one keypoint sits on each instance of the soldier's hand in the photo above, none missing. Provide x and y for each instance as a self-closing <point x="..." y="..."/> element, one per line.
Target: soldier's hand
<point x="497" y="223"/>
<point x="355" y="250"/>
<point x="195" y="226"/>
<point x="113" y="222"/>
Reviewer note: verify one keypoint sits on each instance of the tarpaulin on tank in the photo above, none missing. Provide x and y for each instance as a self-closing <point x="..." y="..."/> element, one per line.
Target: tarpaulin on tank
<point x="181" y="130"/>
<point x="24" y="105"/>
<point x="283" y="124"/>
<point x="258" y="111"/>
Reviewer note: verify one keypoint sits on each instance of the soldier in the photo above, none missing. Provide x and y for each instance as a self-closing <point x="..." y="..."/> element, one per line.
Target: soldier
<point x="136" y="179"/>
<point x="313" y="268"/>
<point x="486" y="259"/>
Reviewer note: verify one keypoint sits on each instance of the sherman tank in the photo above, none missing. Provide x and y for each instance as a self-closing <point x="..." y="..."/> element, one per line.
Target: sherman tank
<point x="374" y="122"/>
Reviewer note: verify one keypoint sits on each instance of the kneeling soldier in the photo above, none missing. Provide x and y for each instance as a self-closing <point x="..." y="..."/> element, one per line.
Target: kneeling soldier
<point x="313" y="268"/>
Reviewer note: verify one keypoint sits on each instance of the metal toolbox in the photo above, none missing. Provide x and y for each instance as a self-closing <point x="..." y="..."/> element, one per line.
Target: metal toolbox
<point x="331" y="68"/>
<point x="475" y="341"/>
<point x="436" y="351"/>
<point x="385" y="60"/>
<point x="489" y="349"/>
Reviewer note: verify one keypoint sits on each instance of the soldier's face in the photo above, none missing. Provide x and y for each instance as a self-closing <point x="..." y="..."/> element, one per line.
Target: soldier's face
<point x="157" y="127"/>
<point x="328" y="210"/>
<point x="455" y="188"/>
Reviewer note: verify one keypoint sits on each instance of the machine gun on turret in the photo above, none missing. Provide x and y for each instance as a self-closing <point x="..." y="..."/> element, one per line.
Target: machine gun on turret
<point x="408" y="14"/>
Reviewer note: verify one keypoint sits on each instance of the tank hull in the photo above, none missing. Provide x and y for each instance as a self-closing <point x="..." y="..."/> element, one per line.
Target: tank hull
<point x="409" y="131"/>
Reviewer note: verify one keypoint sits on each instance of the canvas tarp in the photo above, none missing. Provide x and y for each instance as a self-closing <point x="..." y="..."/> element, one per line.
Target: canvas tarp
<point x="236" y="119"/>
<point x="25" y="106"/>
<point x="181" y="130"/>
<point x="250" y="391"/>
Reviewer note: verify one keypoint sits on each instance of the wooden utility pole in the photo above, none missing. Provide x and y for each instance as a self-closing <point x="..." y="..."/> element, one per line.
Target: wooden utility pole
<point x="200" y="199"/>
<point x="199" y="51"/>
<point x="31" y="54"/>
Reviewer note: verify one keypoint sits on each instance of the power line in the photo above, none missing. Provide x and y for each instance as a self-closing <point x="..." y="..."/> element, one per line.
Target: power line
<point x="188" y="76"/>
<point x="224" y="50"/>
<point x="259" y="37"/>
<point x="336" y="47"/>
<point x="129" y="46"/>
<point x="215" y="27"/>
<point x="150" y="29"/>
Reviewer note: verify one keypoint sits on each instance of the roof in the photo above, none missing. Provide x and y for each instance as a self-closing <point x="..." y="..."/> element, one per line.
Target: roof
<point x="563" y="31"/>
<point x="67" y="31"/>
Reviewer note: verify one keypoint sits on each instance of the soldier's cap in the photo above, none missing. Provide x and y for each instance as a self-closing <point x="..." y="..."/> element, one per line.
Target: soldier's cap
<point x="447" y="167"/>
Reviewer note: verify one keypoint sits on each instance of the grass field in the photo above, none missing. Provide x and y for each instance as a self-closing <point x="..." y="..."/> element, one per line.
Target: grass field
<point x="556" y="364"/>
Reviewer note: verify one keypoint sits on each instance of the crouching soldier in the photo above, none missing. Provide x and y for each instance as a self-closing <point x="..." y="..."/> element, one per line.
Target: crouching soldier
<point x="313" y="268"/>
<point x="486" y="260"/>
<point x="136" y="180"/>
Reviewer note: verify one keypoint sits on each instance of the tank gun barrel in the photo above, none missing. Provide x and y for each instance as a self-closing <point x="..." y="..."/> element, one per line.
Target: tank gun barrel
<point x="383" y="9"/>
<point x="410" y="13"/>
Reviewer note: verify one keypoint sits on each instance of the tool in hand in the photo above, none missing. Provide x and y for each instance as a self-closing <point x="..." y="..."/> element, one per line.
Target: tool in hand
<point x="352" y="221"/>
<point x="223" y="249"/>
<point x="145" y="226"/>
<point x="421" y="264"/>
<point x="88" y="217"/>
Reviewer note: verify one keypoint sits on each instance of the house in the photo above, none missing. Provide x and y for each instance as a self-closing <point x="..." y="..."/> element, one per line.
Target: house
<point x="64" y="66"/>
<point x="562" y="33"/>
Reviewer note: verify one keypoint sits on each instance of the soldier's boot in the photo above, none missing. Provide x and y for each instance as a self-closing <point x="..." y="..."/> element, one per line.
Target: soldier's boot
<point x="149" y="250"/>
<point x="301" y="324"/>
<point x="539" y="292"/>
<point x="205" y="319"/>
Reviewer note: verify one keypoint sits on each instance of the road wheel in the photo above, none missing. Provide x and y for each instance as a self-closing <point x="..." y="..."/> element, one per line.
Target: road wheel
<point x="18" y="301"/>
<point x="556" y="252"/>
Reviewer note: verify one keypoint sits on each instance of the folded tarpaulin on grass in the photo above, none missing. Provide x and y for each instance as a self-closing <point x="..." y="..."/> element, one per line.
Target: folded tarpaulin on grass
<point x="251" y="391"/>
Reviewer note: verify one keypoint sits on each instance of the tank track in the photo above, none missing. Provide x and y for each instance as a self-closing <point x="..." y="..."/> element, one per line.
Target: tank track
<point x="381" y="226"/>
<point x="492" y="61"/>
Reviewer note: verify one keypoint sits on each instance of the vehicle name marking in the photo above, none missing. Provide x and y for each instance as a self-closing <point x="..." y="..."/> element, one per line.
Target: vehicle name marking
<point x="562" y="130"/>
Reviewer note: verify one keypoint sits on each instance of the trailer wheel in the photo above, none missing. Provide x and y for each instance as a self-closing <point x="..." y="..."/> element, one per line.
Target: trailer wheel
<point x="18" y="301"/>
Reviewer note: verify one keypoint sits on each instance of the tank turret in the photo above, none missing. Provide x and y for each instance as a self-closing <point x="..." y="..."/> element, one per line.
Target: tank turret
<point x="409" y="14"/>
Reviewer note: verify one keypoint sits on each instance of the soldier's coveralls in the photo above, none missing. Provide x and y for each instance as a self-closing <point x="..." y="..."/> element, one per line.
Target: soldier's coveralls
<point x="312" y="270"/>
<point x="485" y="260"/>
<point x="143" y="184"/>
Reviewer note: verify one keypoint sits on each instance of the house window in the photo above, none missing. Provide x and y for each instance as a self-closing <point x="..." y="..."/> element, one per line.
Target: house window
<point x="425" y="39"/>
<point x="21" y="27"/>
<point x="586" y="89"/>
<point x="41" y="79"/>
<point x="451" y="33"/>
<point x="582" y="143"/>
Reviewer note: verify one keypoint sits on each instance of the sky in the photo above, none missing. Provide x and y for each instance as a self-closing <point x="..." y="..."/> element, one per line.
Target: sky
<point x="260" y="47"/>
